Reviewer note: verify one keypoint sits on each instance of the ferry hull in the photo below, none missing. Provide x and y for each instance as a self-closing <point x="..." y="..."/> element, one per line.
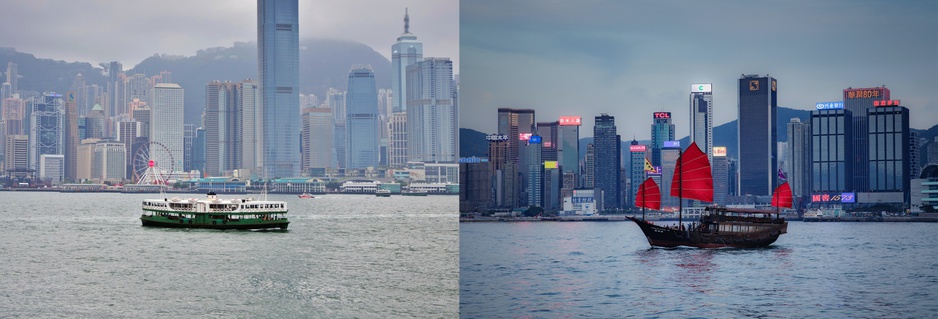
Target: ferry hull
<point x="669" y="238"/>
<point x="149" y="221"/>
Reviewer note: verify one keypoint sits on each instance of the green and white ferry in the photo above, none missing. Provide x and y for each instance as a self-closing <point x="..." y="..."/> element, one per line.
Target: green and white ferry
<point x="214" y="213"/>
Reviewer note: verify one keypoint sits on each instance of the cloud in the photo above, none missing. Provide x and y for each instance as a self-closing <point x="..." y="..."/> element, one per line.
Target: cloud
<point x="631" y="58"/>
<point x="130" y="31"/>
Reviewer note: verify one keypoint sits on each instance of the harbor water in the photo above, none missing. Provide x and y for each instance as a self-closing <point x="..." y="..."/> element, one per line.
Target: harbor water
<point x="608" y="270"/>
<point x="86" y="255"/>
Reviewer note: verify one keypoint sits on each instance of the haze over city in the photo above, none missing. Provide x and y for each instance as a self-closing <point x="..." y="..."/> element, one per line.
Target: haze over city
<point x="129" y="31"/>
<point x="629" y="59"/>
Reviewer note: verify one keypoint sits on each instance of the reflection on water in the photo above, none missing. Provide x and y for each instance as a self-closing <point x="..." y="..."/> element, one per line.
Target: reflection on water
<point x="608" y="270"/>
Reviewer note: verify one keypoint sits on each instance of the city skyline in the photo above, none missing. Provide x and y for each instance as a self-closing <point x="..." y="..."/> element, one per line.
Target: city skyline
<point x="114" y="31"/>
<point x="631" y="59"/>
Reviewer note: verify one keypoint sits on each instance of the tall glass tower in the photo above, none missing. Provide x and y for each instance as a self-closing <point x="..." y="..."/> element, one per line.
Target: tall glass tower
<point x="757" y="137"/>
<point x="406" y="51"/>
<point x="361" y="128"/>
<point x="278" y="67"/>
<point x="701" y="117"/>
<point x="662" y="130"/>
<point x="608" y="158"/>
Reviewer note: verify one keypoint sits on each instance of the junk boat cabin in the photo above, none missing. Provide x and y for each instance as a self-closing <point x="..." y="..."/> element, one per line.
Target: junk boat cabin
<point x="214" y="213"/>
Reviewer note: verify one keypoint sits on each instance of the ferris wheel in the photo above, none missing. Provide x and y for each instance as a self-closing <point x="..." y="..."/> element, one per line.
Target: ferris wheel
<point x="153" y="163"/>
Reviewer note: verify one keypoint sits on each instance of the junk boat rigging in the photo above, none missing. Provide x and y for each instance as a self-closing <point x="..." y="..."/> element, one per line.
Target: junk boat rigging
<point x="717" y="228"/>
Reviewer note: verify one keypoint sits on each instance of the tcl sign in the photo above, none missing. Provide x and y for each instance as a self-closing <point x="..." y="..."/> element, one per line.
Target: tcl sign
<point x="662" y="115"/>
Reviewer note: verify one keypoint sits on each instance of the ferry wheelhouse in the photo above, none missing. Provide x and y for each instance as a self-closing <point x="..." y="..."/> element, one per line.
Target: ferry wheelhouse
<point x="214" y="213"/>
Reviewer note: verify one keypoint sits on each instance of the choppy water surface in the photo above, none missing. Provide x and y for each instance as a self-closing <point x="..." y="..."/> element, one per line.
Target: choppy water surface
<point x="608" y="270"/>
<point x="86" y="255"/>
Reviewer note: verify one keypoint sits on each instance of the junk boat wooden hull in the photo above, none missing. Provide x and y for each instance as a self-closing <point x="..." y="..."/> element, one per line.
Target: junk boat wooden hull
<point x="214" y="213"/>
<point x="721" y="227"/>
<point x="716" y="231"/>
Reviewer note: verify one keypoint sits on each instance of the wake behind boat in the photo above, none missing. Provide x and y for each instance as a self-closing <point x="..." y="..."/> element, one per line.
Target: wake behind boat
<point x="718" y="227"/>
<point x="214" y="213"/>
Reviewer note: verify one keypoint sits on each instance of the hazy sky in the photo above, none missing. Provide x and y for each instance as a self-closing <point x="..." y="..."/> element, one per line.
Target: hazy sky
<point x="630" y="58"/>
<point x="130" y="31"/>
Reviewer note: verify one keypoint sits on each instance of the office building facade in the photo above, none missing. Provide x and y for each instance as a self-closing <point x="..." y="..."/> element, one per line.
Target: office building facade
<point x="757" y="135"/>
<point x="278" y="68"/>
<point x="431" y="111"/>
<point x="608" y="159"/>
<point x="361" y="127"/>
<point x="831" y="150"/>
<point x="701" y="117"/>
<point x="166" y="125"/>
<point x="661" y="131"/>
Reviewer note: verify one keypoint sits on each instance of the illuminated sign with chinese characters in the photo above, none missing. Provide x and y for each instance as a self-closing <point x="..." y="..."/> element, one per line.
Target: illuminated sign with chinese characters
<point x="662" y="115"/>
<point x="834" y="197"/>
<point x="863" y="94"/>
<point x="534" y="139"/>
<point x="524" y="136"/>
<point x="496" y="137"/>
<point x="886" y="103"/>
<point x="829" y="105"/>
<point x="672" y="144"/>
<point x="719" y="151"/>
<point x="656" y="172"/>
<point x="570" y="120"/>
<point x="637" y="148"/>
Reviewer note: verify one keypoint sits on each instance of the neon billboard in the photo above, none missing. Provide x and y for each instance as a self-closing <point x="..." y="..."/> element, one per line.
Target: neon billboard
<point x="570" y="120"/>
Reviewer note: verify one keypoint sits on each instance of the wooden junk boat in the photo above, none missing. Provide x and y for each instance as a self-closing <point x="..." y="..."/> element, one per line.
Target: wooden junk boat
<point x="718" y="227"/>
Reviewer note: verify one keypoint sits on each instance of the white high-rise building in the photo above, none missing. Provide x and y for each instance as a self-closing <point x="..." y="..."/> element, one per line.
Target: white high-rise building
<point x="405" y="52"/>
<point x="431" y="109"/>
<point x="317" y="138"/>
<point x="701" y="117"/>
<point x="166" y="125"/>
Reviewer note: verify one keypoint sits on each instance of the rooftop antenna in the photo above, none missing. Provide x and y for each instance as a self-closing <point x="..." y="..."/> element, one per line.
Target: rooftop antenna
<point x="406" y="21"/>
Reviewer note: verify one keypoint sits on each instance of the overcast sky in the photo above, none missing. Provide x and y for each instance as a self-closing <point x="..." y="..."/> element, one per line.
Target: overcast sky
<point x="130" y="31"/>
<point x="630" y="58"/>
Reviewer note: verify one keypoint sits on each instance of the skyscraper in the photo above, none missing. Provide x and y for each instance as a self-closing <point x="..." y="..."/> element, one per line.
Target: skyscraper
<point x="701" y="117"/>
<point x="608" y="161"/>
<point x="799" y="159"/>
<point x="278" y="68"/>
<point x="213" y="118"/>
<point x="636" y="169"/>
<point x="568" y="151"/>
<point x="431" y="109"/>
<point x="361" y="119"/>
<point x="721" y="177"/>
<point x="549" y="132"/>
<point x="70" y="137"/>
<point x="661" y="131"/>
<point x="515" y="124"/>
<point x="857" y="101"/>
<point x="406" y="51"/>
<point x="757" y="135"/>
<point x="249" y="131"/>
<point x="166" y="125"/>
<point x="317" y="138"/>
<point x="336" y="101"/>
<point x="535" y="168"/>
<point x="889" y="150"/>
<point x="831" y="150"/>
<point x="45" y="127"/>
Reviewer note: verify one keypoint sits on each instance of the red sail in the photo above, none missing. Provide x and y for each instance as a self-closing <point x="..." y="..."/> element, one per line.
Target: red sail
<point x="648" y="196"/>
<point x="782" y="196"/>
<point x="692" y="177"/>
